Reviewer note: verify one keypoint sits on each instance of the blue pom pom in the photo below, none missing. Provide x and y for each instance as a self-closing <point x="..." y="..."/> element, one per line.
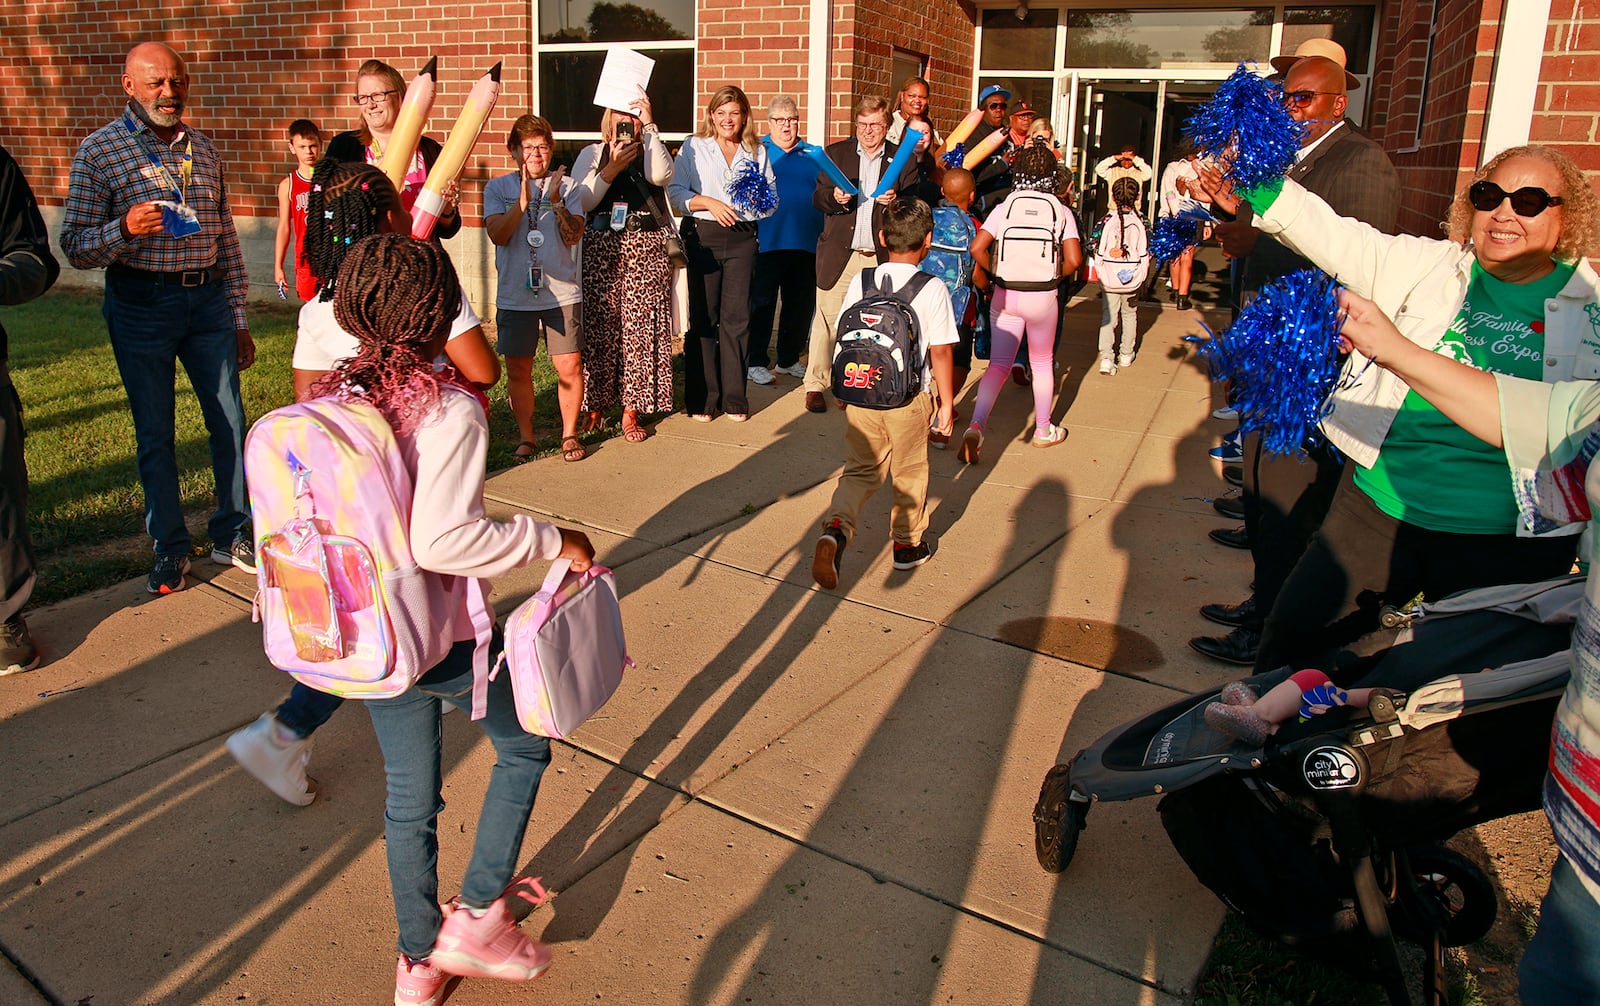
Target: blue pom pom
<point x="1171" y="235"/>
<point x="953" y="157"/>
<point x="750" y="192"/>
<point x="1247" y="121"/>
<point x="1282" y="358"/>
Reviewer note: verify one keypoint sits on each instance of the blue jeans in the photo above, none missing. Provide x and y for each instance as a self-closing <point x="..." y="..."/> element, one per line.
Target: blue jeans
<point x="1562" y="964"/>
<point x="306" y="709"/>
<point x="408" y="732"/>
<point x="153" y="325"/>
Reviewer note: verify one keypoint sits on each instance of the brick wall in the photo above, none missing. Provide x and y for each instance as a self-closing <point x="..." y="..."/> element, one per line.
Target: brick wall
<point x="254" y="65"/>
<point x="1433" y="160"/>
<point x="1567" y="104"/>
<point x="763" y="46"/>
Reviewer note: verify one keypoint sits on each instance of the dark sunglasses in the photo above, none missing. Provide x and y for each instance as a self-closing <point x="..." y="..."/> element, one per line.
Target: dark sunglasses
<point x="1300" y="99"/>
<point x="994" y="105"/>
<point x="1529" y="201"/>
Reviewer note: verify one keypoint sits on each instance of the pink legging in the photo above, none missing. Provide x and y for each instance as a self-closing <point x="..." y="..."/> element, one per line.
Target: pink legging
<point x="1012" y="313"/>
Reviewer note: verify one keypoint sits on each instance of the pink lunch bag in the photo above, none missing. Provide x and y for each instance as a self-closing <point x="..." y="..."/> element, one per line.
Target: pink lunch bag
<point x="564" y="650"/>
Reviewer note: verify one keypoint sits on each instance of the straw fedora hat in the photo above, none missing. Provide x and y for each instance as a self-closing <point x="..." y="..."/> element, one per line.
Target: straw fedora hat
<point x="1324" y="47"/>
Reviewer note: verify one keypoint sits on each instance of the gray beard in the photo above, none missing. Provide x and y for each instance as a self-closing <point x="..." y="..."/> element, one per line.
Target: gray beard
<point x="155" y="117"/>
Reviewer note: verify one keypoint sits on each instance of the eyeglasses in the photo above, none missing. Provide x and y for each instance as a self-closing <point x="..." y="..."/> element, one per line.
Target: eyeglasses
<point x="995" y="105"/>
<point x="1300" y="99"/>
<point x="535" y="148"/>
<point x="374" y="98"/>
<point x="1529" y="201"/>
<point x="870" y="124"/>
<point x="784" y="120"/>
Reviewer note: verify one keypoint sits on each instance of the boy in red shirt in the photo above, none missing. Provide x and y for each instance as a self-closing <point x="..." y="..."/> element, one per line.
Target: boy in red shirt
<point x="305" y="141"/>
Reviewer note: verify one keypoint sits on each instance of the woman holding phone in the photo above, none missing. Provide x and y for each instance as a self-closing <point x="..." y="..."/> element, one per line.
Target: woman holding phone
<point x="627" y="276"/>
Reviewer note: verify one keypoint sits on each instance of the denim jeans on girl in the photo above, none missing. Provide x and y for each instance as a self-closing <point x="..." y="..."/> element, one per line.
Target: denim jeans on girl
<point x="408" y="729"/>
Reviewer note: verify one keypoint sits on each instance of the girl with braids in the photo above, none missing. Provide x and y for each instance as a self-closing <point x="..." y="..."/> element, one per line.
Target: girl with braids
<point x="1021" y="307"/>
<point x="347" y="203"/>
<point x="1124" y="259"/>
<point x="398" y="296"/>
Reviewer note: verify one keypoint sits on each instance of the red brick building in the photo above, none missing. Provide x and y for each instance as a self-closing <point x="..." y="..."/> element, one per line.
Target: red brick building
<point x="1444" y="81"/>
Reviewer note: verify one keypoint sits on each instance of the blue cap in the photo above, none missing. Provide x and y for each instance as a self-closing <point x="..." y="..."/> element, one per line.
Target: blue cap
<point x="992" y="90"/>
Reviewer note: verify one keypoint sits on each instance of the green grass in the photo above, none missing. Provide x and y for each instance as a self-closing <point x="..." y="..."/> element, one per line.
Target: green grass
<point x="85" y="508"/>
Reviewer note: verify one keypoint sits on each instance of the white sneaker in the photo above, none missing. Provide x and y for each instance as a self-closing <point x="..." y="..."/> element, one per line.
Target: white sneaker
<point x="796" y="370"/>
<point x="759" y="375"/>
<point x="279" y="766"/>
<point x="1227" y="413"/>
<point x="1125" y="360"/>
<point x="1108" y="366"/>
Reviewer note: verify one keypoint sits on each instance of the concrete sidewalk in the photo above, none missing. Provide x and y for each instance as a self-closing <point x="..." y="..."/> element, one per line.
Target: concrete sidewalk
<point x="798" y="796"/>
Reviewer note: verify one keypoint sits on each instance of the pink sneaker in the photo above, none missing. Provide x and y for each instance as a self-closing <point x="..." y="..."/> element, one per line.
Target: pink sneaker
<point x="490" y="946"/>
<point x="421" y="984"/>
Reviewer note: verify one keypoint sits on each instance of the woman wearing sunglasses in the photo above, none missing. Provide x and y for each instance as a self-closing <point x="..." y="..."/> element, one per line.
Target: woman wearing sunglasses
<point x="1429" y="509"/>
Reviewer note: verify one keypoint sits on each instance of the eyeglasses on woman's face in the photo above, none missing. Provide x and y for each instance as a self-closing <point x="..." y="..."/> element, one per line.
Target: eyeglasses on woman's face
<point x="374" y="98"/>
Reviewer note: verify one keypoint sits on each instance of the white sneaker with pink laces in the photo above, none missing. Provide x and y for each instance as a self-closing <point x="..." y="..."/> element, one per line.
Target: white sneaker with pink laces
<point x="488" y="946"/>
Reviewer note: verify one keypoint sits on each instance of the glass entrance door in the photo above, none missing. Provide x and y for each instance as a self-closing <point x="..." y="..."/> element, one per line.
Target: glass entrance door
<point x="1104" y="116"/>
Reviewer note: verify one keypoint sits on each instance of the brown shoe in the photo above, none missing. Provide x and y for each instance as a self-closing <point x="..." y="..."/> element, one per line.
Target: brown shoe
<point x="815" y="402"/>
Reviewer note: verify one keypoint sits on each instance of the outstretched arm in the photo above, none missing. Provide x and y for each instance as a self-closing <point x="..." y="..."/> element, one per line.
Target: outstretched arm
<point x="1468" y="397"/>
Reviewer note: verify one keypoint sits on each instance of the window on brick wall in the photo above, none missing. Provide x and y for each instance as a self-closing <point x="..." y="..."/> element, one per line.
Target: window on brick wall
<point x="573" y="39"/>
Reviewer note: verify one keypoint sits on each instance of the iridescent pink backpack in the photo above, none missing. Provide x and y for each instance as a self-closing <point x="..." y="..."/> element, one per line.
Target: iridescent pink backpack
<point x="343" y="605"/>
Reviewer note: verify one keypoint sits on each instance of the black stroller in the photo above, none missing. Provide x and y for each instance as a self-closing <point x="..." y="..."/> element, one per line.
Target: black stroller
<point x="1333" y="827"/>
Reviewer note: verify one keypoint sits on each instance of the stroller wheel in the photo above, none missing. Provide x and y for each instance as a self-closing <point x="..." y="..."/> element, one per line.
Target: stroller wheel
<point x="1057" y="820"/>
<point x="1451" y="896"/>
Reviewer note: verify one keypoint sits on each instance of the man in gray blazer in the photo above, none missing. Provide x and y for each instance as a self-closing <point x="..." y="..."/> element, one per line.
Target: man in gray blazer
<point x="850" y="224"/>
<point x="1285" y="500"/>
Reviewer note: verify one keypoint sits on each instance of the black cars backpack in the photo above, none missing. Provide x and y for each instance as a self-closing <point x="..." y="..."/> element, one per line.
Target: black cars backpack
<point x="877" y="350"/>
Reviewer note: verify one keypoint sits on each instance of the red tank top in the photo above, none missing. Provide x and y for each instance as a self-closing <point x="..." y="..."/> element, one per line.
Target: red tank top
<point x="299" y="191"/>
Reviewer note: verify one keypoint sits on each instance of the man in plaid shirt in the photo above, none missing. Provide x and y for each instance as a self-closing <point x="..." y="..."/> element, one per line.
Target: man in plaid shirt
<point x="146" y="201"/>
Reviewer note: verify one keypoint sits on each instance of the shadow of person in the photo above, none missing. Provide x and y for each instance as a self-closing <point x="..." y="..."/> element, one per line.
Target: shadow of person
<point x="683" y="748"/>
<point x="915" y="803"/>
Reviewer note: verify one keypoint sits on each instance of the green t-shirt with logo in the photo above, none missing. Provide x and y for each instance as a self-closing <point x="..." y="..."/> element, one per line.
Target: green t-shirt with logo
<point x="1432" y="473"/>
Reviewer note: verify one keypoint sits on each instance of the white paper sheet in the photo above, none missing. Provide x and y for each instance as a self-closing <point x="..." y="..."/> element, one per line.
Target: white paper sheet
<point x="625" y="71"/>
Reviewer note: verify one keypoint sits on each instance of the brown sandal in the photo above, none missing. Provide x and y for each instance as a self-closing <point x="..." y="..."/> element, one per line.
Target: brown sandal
<point x="572" y="449"/>
<point x="632" y="432"/>
<point x="516" y="452"/>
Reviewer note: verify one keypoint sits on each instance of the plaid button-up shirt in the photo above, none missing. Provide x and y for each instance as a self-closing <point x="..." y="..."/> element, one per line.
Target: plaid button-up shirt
<point x="115" y="170"/>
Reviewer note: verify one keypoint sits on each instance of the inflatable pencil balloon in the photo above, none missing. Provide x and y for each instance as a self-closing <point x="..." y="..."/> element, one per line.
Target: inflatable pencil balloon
<point x="988" y="145"/>
<point x="463" y="137"/>
<point x="963" y="130"/>
<point x="408" y="124"/>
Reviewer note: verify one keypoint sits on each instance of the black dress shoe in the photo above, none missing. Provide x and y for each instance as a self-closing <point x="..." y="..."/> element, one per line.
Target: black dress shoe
<point x="1235" y="537"/>
<point x="1243" y="613"/>
<point x="1231" y="507"/>
<point x="1237" y="647"/>
<point x="1234" y="474"/>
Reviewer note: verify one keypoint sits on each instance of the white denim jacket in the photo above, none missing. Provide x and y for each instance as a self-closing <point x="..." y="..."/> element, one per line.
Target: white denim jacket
<point x="1421" y="284"/>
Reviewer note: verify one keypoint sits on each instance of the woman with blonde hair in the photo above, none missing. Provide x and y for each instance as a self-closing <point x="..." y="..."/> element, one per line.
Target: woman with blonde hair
<point x="627" y="274"/>
<point x="722" y="183"/>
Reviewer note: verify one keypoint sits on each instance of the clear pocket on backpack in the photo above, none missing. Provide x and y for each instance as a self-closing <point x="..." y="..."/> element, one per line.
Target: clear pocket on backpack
<point x="295" y="563"/>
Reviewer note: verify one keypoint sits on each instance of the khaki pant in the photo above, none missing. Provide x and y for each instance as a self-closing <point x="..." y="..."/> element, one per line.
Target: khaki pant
<point x="892" y="443"/>
<point x="819" y="364"/>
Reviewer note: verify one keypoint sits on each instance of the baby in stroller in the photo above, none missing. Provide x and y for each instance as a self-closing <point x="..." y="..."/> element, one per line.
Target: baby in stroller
<point x="1309" y="692"/>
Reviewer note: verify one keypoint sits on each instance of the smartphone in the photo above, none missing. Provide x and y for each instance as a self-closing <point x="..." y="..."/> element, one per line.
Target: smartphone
<point x="625" y="130"/>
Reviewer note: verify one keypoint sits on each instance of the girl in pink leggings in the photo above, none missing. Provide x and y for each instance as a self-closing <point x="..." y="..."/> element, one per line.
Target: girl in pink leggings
<point x="1027" y="244"/>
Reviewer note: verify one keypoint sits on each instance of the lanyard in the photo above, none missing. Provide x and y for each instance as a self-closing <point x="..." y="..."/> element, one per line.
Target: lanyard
<point x="188" y="160"/>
